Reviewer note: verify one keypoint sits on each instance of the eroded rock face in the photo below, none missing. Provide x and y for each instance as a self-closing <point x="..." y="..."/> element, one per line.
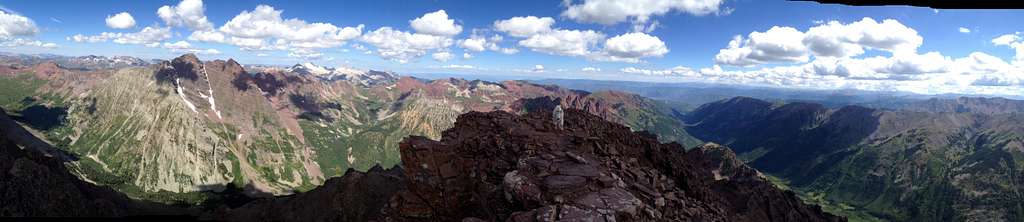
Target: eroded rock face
<point x="498" y="166"/>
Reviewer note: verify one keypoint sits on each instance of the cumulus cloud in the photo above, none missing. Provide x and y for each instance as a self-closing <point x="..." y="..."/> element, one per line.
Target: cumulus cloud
<point x="609" y="12"/>
<point x="633" y="46"/>
<point x="898" y="67"/>
<point x="17" y="42"/>
<point x="121" y="20"/>
<point x="835" y="39"/>
<point x="147" y="36"/>
<point x="778" y="44"/>
<point x="964" y="30"/>
<point x="831" y="59"/>
<point x="442" y="56"/>
<point x="524" y="26"/>
<point x="1006" y="39"/>
<point x="832" y="39"/>
<point x="674" y="71"/>
<point x="266" y="24"/>
<point x="263" y="28"/>
<point x="564" y="42"/>
<point x="436" y="23"/>
<point x="538" y="36"/>
<point x="590" y="69"/>
<point x="186" y="47"/>
<point x="12" y="25"/>
<point x="453" y="66"/>
<point x="477" y="43"/>
<point x="467" y="56"/>
<point x="188" y="13"/>
<point x="538" y="68"/>
<point x="1015" y="42"/>
<point x="403" y="46"/>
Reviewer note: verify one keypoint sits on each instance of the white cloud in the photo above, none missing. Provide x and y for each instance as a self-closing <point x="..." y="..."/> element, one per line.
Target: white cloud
<point x="186" y="47"/>
<point x="778" y="44"/>
<point x="403" y="46"/>
<point x="1006" y="39"/>
<point x="467" y="56"/>
<point x="177" y="45"/>
<point x="674" y="71"/>
<point x="508" y="51"/>
<point x="524" y="26"/>
<point x="305" y="53"/>
<point x="590" y="69"/>
<point x="208" y="36"/>
<point x="609" y="12"/>
<point x="17" y="42"/>
<point x="475" y="44"/>
<point x="633" y="46"/>
<point x="436" y="23"/>
<point x="147" y="36"/>
<point x="898" y="67"/>
<point x="16" y="25"/>
<point x="188" y="13"/>
<point x="453" y="66"/>
<point x="564" y="42"/>
<point x="1015" y="42"/>
<point x="832" y="39"/>
<point x="835" y="39"/>
<point x="538" y="68"/>
<point x="539" y="36"/>
<point x="964" y="30"/>
<point x="442" y="56"/>
<point x="121" y="20"/>
<point x="263" y="28"/>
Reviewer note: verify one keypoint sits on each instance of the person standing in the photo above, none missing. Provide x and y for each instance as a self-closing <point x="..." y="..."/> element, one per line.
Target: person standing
<point x="559" y="116"/>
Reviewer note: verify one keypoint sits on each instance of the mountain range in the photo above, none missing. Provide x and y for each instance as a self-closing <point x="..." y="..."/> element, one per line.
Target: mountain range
<point x="170" y="130"/>
<point x="494" y="166"/>
<point x="938" y="160"/>
<point x="227" y="141"/>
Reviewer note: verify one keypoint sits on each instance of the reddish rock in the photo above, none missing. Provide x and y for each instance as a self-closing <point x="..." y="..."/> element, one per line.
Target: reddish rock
<point x="498" y="166"/>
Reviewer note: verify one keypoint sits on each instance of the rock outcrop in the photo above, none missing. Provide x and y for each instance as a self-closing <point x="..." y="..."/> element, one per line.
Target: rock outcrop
<point x="498" y="166"/>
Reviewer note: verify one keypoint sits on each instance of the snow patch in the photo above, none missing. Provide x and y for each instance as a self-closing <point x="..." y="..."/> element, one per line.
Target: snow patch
<point x="182" y="95"/>
<point x="213" y="103"/>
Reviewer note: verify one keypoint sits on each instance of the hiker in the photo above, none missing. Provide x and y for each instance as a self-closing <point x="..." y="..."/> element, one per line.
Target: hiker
<point x="559" y="116"/>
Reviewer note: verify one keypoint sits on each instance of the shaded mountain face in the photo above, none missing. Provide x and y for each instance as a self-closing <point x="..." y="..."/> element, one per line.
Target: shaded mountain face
<point x="181" y="127"/>
<point x="35" y="182"/>
<point x="938" y="165"/>
<point x="498" y="166"/>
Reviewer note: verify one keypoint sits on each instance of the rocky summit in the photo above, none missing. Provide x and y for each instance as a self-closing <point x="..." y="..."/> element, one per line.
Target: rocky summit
<point x="498" y="166"/>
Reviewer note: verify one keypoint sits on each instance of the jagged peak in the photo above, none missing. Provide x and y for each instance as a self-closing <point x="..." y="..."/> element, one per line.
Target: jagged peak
<point x="187" y="58"/>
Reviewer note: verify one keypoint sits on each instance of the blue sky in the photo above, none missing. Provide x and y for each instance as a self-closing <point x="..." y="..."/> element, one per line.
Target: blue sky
<point x="683" y="46"/>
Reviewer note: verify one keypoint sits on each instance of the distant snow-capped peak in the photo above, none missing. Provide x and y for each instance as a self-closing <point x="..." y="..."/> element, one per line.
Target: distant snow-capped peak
<point x="354" y="75"/>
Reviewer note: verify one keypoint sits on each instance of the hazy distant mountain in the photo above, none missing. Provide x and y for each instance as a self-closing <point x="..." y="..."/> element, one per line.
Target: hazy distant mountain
<point x="695" y="94"/>
<point x="937" y="160"/>
<point x="90" y="62"/>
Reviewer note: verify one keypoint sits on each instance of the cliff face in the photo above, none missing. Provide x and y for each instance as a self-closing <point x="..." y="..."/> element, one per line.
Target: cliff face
<point x="34" y="182"/>
<point x="500" y="166"/>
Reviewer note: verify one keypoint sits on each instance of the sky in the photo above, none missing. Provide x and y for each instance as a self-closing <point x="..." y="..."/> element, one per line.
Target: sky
<point x="743" y="42"/>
